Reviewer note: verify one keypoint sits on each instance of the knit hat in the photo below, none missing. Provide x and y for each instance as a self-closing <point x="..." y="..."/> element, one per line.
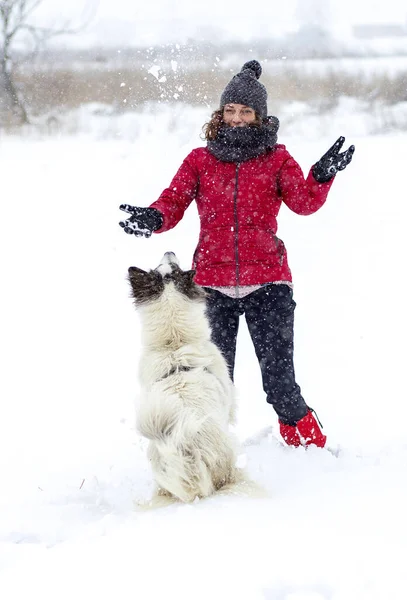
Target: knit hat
<point x="245" y="89"/>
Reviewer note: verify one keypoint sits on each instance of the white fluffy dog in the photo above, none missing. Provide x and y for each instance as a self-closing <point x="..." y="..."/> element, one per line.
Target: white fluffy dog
<point x="187" y="401"/>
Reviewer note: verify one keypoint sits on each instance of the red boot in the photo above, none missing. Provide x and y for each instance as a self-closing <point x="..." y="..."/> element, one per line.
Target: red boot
<point x="307" y="432"/>
<point x="289" y="434"/>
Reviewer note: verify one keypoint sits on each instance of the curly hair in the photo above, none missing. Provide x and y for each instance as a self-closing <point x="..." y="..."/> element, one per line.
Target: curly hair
<point x="210" y="129"/>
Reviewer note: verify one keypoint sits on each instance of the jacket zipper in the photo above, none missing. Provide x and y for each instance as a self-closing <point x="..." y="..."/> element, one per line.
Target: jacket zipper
<point x="236" y="229"/>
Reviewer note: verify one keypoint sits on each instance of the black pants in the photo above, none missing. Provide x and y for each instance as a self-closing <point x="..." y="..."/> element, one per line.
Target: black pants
<point x="269" y="313"/>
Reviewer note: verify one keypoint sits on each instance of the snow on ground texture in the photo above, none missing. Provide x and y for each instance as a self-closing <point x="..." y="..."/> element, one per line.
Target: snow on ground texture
<point x="72" y="466"/>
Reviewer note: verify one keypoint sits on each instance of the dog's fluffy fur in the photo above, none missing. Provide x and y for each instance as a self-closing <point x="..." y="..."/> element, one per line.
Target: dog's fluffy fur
<point x="187" y="401"/>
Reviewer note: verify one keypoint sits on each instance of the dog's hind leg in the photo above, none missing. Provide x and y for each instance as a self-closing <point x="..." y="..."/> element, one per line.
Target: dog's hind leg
<point x="160" y="499"/>
<point x="243" y="487"/>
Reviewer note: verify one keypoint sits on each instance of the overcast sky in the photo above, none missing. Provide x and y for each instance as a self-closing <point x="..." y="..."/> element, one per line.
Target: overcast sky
<point x="155" y="21"/>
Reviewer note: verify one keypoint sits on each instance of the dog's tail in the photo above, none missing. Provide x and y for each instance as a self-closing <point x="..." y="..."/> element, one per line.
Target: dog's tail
<point x="195" y="459"/>
<point x="191" y="455"/>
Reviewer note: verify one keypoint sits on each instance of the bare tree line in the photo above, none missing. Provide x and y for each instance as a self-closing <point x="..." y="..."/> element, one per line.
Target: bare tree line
<point x="15" y="22"/>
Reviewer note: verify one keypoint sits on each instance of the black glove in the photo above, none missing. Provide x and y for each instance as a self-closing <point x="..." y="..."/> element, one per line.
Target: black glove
<point x="332" y="162"/>
<point x="143" y="221"/>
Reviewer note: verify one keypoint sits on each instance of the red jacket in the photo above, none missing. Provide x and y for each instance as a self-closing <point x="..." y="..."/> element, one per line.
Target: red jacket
<point x="238" y="206"/>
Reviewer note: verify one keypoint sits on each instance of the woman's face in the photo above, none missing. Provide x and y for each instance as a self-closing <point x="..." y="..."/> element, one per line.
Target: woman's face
<point x="238" y="115"/>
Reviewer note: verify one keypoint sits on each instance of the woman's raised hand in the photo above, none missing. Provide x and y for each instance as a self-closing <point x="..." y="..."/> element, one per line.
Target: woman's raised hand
<point x="143" y="221"/>
<point x="332" y="161"/>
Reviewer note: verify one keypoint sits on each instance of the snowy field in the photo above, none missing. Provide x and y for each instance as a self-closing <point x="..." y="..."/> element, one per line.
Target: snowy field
<point x="73" y="467"/>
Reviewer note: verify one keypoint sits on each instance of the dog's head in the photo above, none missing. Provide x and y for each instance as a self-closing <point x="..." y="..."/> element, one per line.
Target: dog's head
<point x="147" y="286"/>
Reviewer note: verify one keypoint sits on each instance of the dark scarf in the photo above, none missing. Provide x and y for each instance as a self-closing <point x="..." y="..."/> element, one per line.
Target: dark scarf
<point x="237" y="144"/>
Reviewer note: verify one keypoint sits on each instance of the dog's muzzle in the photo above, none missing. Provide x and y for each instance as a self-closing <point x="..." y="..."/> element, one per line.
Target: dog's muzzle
<point x="168" y="261"/>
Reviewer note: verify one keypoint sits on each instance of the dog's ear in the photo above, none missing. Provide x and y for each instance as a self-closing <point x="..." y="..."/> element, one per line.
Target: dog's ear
<point x="187" y="286"/>
<point x="145" y="286"/>
<point x="189" y="275"/>
<point x="133" y="270"/>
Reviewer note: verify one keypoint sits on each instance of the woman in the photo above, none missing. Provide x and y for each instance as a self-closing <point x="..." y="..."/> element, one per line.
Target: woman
<point x="239" y="181"/>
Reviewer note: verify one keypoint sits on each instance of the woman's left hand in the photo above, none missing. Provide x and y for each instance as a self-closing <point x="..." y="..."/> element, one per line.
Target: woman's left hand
<point x="332" y="161"/>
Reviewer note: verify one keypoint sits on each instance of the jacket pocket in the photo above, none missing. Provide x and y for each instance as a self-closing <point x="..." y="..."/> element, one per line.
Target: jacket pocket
<point x="280" y="248"/>
<point x="195" y="255"/>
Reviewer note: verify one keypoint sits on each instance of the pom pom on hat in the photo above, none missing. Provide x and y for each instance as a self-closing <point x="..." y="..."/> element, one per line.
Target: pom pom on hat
<point x="253" y="65"/>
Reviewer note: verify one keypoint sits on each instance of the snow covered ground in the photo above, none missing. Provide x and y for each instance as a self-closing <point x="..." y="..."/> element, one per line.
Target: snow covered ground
<point x="72" y="466"/>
